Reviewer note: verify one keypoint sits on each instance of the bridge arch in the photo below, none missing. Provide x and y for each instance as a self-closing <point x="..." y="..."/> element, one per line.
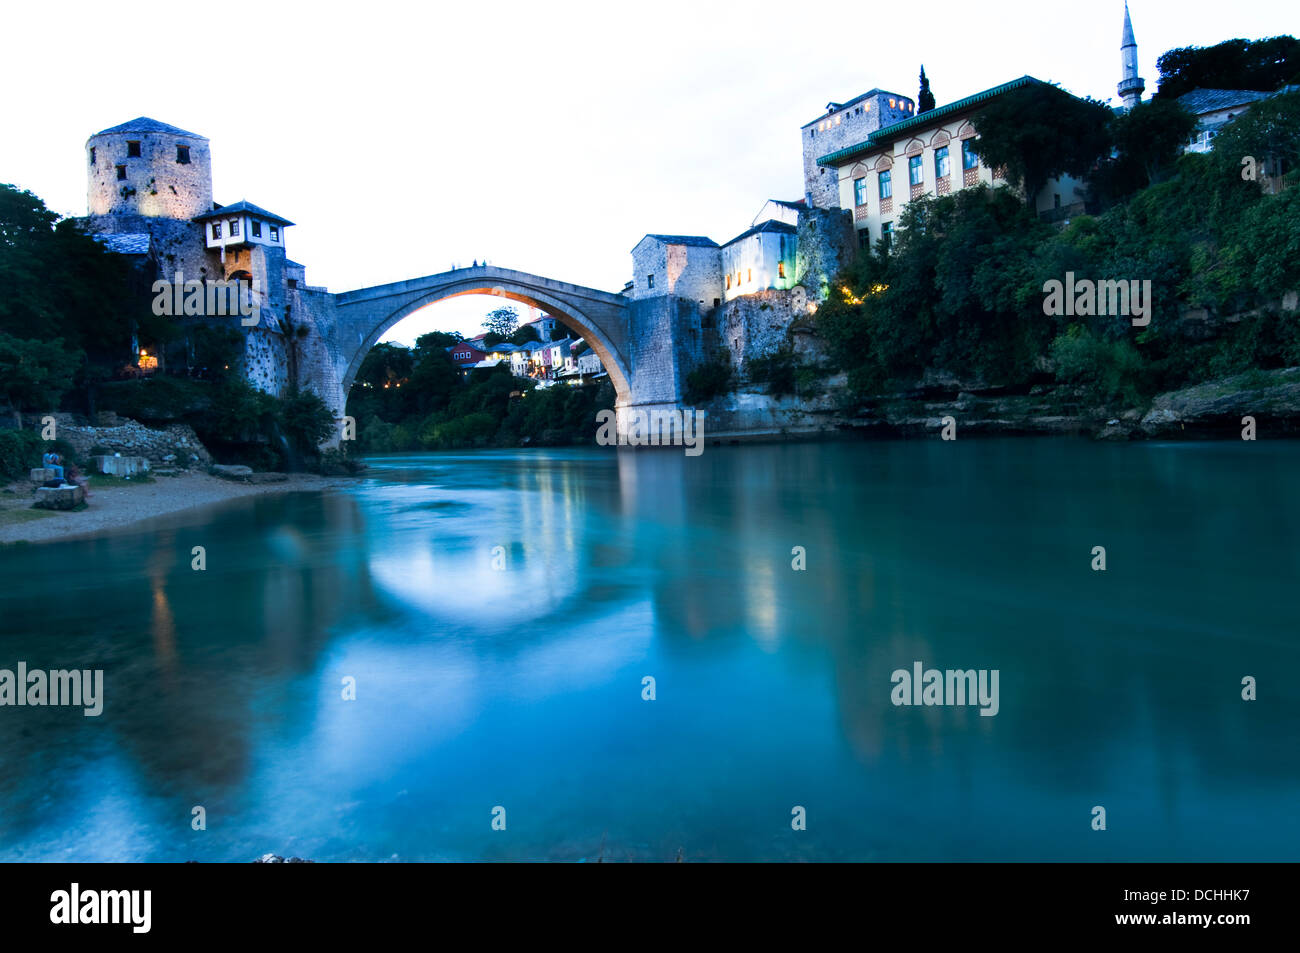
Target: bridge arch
<point x="371" y="312"/>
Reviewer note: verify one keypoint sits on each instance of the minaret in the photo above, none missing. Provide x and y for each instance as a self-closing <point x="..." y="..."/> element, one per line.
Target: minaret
<point x="1131" y="86"/>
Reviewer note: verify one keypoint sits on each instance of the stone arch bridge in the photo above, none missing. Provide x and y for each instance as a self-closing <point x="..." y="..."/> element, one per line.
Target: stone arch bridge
<point x="646" y="346"/>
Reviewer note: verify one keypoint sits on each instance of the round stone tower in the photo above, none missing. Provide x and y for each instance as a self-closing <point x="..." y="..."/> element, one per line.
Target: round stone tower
<point x="145" y="167"/>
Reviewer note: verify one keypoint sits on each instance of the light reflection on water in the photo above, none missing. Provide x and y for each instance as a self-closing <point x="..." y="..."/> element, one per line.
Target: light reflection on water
<point x="521" y="687"/>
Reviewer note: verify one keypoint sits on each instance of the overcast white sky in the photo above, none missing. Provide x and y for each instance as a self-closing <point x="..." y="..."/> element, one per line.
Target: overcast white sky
<point x="403" y="138"/>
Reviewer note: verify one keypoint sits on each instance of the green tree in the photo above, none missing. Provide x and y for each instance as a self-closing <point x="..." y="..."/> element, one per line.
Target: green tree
<point x="502" y="321"/>
<point x="61" y="283"/>
<point x="426" y="344"/>
<point x="925" y="98"/>
<point x="1149" y="137"/>
<point x="1269" y="130"/>
<point x="1263" y="65"/>
<point x="35" y="374"/>
<point x="305" y="420"/>
<point x="1040" y="131"/>
<point x="524" y="334"/>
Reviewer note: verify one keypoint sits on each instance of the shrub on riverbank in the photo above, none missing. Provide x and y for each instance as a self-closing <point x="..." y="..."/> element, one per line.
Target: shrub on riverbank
<point x="20" y="451"/>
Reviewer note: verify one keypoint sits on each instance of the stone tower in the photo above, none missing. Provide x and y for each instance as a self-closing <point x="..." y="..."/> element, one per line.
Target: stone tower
<point x="845" y="124"/>
<point x="150" y="169"/>
<point x="1131" y="85"/>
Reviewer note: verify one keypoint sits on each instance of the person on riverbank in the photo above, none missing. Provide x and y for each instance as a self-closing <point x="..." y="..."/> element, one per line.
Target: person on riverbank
<point x="76" y="477"/>
<point x="52" y="461"/>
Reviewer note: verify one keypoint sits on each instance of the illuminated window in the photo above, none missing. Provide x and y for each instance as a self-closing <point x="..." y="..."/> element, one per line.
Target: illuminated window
<point x="941" y="162"/>
<point x="234" y="228"/>
<point x="728" y="281"/>
<point x="780" y="269"/>
<point x="859" y="191"/>
<point x="121" y="173"/>
<point x="749" y="274"/>
<point x="183" y="154"/>
<point x="886" y="184"/>
<point x="275" y="233"/>
<point x="837" y="120"/>
<point x="969" y="158"/>
<point x="216" y="229"/>
<point x="132" y="149"/>
<point x="914" y="174"/>
<point x="891" y="104"/>
<point x="256" y="226"/>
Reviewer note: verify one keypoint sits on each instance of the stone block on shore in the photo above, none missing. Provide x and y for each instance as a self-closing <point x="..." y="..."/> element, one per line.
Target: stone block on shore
<point x="119" y="466"/>
<point x="240" y="474"/>
<point x="41" y="475"/>
<point x="67" y="497"/>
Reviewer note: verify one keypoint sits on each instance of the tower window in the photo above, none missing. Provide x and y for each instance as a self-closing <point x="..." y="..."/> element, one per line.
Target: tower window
<point x="780" y="269"/>
<point x="183" y="154"/>
<point x="650" y="281"/>
<point x="234" y="228"/>
<point x="121" y="173"/>
<point x="256" y="226"/>
<point x="216" y="229"/>
<point x="92" y="155"/>
<point x="275" y="233"/>
<point x="133" y="149"/>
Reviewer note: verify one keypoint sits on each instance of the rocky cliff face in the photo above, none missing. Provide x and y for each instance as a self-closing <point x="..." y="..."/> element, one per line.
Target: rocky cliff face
<point x="1217" y="408"/>
<point x="1211" y="410"/>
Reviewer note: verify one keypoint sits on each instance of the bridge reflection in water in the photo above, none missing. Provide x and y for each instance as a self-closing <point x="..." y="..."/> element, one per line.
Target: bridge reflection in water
<point x="498" y="612"/>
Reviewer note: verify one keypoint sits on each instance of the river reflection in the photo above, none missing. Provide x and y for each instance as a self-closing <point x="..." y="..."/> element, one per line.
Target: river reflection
<point x="497" y="613"/>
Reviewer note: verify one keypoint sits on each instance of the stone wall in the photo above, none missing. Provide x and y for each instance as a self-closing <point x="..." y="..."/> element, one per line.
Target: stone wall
<point x="174" y="246"/>
<point x="826" y="243"/>
<point x="172" y="446"/>
<point x="665" y="341"/>
<point x="755" y="325"/>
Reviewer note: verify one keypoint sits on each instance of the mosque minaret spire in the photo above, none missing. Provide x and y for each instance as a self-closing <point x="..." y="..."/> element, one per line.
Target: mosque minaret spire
<point x="1131" y="85"/>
